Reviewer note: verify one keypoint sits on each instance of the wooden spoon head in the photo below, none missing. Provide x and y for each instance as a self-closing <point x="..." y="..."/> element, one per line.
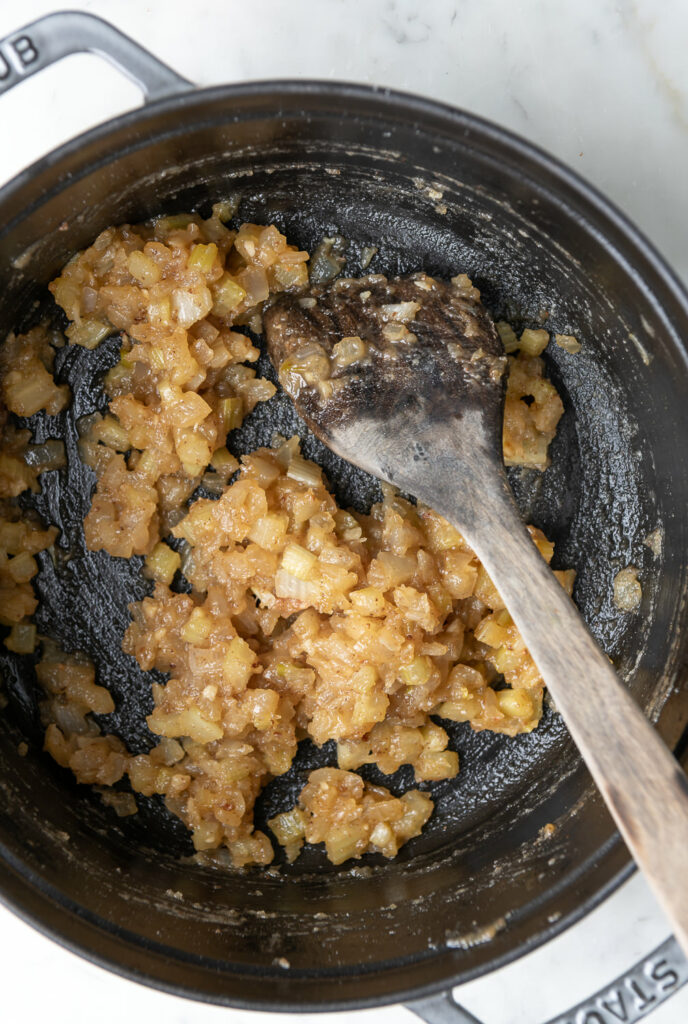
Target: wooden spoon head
<point x="370" y="361"/>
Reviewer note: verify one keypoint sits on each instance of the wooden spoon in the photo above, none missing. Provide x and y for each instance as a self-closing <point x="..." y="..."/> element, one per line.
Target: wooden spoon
<point x="414" y="395"/>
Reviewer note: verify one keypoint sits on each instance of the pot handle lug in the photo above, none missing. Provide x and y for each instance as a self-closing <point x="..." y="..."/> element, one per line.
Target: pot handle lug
<point x="630" y="997"/>
<point x="45" y="41"/>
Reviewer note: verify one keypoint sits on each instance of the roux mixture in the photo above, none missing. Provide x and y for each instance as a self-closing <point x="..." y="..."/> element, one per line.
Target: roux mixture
<point x="303" y="619"/>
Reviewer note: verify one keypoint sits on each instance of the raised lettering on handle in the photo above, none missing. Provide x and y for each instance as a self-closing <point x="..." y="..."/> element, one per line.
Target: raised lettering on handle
<point x="629" y="998"/>
<point x="16" y="57"/>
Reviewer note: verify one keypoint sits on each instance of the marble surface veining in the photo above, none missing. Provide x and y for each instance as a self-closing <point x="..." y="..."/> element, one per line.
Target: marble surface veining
<point x="603" y="85"/>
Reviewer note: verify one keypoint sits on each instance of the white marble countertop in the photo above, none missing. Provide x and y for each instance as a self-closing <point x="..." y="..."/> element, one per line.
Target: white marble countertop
<point x="602" y="84"/>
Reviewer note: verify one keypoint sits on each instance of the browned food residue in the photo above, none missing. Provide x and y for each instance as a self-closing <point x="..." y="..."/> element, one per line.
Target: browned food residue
<point x="303" y="618"/>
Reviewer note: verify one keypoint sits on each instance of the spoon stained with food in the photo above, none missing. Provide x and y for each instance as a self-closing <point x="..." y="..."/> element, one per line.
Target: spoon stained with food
<point x="404" y="378"/>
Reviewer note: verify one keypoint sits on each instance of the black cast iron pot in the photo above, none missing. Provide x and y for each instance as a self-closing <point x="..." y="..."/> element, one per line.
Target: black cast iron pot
<point x="432" y="188"/>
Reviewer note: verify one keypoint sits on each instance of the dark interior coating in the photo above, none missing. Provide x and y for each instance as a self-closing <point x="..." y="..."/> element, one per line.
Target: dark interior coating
<point x="535" y="243"/>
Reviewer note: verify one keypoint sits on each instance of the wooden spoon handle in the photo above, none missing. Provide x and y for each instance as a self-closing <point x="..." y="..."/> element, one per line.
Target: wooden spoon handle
<point x="644" y="787"/>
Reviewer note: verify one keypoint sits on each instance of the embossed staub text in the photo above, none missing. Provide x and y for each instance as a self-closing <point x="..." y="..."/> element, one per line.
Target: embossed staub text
<point x="16" y="57"/>
<point x="636" y="994"/>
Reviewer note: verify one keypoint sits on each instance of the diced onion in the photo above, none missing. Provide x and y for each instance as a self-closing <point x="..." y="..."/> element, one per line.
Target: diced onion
<point x="304" y="471"/>
<point x="568" y="342"/>
<point x="143" y="268"/>
<point x="231" y="412"/>
<point x="348" y="351"/>
<point x="191" y="306"/>
<point x="162" y="563"/>
<point x="507" y="336"/>
<point x="299" y="562"/>
<point x="22" y="638"/>
<point x="292" y="587"/>
<point x="49" y="455"/>
<point x="401" y="312"/>
<point x="88" y="333"/>
<point x="533" y="342"/>
<point x="327" y="260"/>
<point x="202" y="257"/>
<point x="418" y="672"/>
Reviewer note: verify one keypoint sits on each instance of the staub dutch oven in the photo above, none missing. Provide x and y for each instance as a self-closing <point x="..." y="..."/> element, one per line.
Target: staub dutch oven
<point x="438" y="189"/>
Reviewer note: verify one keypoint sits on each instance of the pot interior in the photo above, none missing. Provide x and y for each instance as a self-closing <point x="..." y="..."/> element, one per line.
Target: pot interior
<point x="437" y="191"/>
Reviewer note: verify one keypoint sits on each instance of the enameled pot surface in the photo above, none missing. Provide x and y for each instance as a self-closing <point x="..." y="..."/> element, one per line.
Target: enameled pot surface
<point x="438" y="189"/>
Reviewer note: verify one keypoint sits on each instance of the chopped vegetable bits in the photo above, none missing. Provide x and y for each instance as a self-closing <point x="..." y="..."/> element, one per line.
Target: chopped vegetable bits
<point x="302" y="619"/>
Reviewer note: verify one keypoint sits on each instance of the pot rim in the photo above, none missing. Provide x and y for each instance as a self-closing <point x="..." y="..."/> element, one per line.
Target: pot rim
<point x="36" y="908"/>
<point x="33" y="904"/>
<point x="456" y="118"/>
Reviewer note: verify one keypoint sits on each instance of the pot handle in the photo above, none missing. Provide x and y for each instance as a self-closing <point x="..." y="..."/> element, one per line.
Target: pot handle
<point x="630" y="997"/>
<point x="45" y="41"/>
